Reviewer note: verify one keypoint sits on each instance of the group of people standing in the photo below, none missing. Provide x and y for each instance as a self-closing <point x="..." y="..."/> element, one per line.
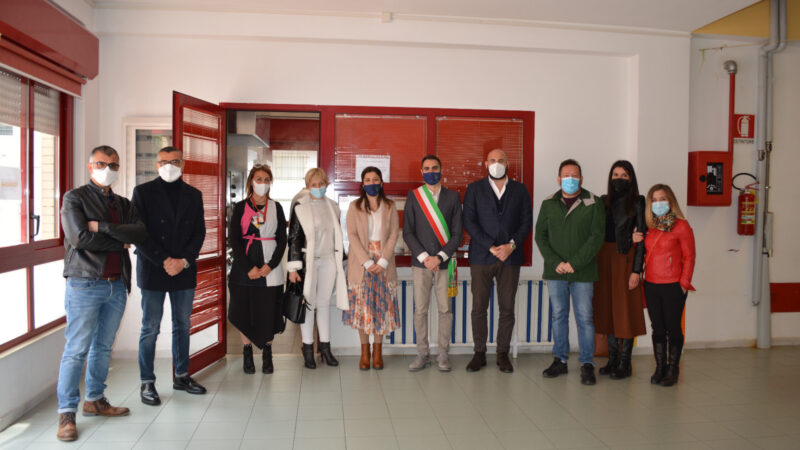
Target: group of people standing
<point x="596" y="250"/>
<point x="593" y="252"/>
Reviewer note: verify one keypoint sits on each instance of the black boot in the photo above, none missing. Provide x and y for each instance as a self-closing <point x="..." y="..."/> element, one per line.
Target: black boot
<point x="660" y="353"/>
<point x="247" y="360"/>
<point x="671" y="375"/>
<point x="613" y="356"/>
<point x="308" y="356"/>
<point x="623" y="370"/>
<point x="266" y="360"/>
<point x="327" y="356"/>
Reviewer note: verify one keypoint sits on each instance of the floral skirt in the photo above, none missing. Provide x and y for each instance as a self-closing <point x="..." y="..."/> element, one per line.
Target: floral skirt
<point x="373" y="304"/>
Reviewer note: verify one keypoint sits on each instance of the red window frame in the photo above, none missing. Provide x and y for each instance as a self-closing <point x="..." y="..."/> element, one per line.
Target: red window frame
<point x="32" y="253"/>
<point x="327" y="144"/>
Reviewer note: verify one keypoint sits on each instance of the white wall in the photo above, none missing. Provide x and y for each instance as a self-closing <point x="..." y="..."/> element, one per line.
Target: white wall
<point x="724" y="259"/>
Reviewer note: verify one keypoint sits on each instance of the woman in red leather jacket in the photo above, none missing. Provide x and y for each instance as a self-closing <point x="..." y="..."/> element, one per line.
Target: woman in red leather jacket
<point x="668" y="267"/>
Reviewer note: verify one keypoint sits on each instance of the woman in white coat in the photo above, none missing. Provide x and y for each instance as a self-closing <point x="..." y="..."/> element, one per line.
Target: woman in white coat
<point x="315" y="259"/>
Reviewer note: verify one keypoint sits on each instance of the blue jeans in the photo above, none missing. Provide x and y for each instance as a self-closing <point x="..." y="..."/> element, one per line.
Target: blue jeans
<point x="582" y="293"/>
<point x="94" y="310"/>
<point x="152" y="310"/>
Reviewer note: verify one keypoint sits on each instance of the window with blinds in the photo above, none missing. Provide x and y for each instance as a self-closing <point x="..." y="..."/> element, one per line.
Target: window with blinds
<point x="32" y="158"/>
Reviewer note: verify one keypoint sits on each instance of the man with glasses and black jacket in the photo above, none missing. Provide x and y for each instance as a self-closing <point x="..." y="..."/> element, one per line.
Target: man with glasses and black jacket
<point x="99" y="228"/>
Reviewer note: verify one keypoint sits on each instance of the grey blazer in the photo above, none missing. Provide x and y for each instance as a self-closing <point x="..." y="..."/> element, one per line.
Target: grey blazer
<point x="418" y="234"/>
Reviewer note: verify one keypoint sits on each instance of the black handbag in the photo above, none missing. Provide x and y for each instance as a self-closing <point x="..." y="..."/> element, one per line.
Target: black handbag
<point x="293" y="304"/>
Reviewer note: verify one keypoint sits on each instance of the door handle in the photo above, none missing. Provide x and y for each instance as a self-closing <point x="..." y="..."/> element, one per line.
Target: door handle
<point x="37" y="218"/>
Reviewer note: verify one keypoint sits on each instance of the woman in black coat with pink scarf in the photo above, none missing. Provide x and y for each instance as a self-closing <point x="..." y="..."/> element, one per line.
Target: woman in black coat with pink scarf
<point x="257" y="235"/>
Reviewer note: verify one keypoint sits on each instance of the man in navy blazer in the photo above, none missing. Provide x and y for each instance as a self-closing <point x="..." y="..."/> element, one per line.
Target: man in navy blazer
<point x="498" y="217"/>
<point x="172" y="211"/>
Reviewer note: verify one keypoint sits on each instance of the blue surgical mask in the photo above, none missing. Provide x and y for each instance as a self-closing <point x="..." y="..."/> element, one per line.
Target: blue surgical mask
<point x="659" y="208"/>
<point x="318" y="192"/>
<point x="570" y="185"/>
<point x="432" y="178"/>
<point x="372" y="189"/>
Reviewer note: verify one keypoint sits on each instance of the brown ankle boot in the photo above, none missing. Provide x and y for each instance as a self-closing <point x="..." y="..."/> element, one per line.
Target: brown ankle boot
<point x="66" y="427"/>
<point x="364" y="363"/>
<point x="101" y="407"/>
<point x="377" y="356"/>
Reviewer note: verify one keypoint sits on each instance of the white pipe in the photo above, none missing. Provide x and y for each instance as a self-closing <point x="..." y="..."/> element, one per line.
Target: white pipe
<point x="764" y="120"/>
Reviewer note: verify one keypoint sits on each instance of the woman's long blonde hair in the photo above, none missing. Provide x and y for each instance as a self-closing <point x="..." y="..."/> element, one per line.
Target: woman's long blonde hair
<point x="673" y="204"/>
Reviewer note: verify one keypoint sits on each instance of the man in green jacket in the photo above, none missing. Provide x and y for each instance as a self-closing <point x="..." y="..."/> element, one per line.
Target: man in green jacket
<point x="569" y="233"/>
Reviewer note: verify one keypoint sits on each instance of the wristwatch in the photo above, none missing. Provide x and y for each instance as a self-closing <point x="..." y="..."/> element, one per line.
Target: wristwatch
<point x="441" y="260"/>
<point x="185" y="264"/>
<point x="513" y="245"/>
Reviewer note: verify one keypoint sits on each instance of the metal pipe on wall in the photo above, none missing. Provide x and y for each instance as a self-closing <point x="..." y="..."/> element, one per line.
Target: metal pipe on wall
<point x="762" y="250"/>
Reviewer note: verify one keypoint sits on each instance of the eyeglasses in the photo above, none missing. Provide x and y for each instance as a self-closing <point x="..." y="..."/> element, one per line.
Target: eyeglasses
<point x="102" y="165"/>
<point x="174" y="162"/>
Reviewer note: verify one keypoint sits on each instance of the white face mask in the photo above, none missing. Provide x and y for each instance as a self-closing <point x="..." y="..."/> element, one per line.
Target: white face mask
<point x="105" y="177"/>
<point x="169" y="173"/>
<point x="260" y="189"/>
<point x="497" y="170"/>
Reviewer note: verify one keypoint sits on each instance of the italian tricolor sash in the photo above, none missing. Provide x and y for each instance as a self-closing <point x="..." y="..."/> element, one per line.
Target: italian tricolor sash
<point x="441" y="230"/>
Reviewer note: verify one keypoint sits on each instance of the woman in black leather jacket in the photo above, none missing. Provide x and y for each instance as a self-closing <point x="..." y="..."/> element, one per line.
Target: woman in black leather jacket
<point x="618" y="310"/>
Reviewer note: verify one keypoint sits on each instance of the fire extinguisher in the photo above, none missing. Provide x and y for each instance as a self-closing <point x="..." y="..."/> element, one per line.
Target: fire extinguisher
<point x="746" y="216"/>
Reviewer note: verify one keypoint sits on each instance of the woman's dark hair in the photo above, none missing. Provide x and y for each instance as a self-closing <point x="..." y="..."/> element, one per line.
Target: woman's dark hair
<point x="361" y="201"/>
<point x="632" y="192"/>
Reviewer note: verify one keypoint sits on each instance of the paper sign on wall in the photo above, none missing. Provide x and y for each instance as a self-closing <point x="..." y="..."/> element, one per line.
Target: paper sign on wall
<point x="382" y="162"/>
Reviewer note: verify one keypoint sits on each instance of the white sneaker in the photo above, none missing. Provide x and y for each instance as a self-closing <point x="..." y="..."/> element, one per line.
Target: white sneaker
<point x="444" y="362"/>
<point x="419" y="363"/>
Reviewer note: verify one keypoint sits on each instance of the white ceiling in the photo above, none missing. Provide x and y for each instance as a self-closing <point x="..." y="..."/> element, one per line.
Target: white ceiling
<point x="675" y="15"/>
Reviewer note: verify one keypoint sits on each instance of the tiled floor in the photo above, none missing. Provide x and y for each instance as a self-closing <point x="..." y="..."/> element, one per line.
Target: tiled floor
<point x="726" y="399"/>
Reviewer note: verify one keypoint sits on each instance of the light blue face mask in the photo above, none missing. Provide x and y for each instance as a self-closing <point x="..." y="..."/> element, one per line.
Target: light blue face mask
<point x="570" y="185"/>
<point x="318" y="192"/>
<point x="659" y="208"/>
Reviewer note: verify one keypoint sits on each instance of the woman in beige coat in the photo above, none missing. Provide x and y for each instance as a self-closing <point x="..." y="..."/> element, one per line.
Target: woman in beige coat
<point x="372" y="227"/>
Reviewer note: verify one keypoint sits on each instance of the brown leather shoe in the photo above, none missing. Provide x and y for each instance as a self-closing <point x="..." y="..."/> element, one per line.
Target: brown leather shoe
<point x="363" y="364"/>
<point x="66" y="427"/>
<point x="504" y="363"/>
<point x="377" y="356"/>
<point x="478" y="361"/>
<point x="103" y="408"/>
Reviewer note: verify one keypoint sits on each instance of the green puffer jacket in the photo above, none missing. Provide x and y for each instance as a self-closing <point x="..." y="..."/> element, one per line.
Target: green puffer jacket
<point x="574" y="236"/>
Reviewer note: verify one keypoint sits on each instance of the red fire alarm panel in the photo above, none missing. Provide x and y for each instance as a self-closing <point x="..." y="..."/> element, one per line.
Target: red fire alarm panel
<point x="709" y="179"/>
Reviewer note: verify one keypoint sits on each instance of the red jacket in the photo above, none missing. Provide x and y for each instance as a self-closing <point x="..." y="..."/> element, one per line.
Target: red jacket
<point x="669" y="256"/>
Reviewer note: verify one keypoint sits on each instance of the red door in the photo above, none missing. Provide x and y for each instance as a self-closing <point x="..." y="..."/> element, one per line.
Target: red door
<point x="198" y="129"/>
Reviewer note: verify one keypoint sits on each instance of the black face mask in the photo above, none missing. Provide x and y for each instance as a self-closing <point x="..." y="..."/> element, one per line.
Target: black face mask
<point x="620" y="184"/>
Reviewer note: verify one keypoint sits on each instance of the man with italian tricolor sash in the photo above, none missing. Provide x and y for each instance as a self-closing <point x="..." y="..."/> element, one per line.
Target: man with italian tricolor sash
<point x="432" y="231"/>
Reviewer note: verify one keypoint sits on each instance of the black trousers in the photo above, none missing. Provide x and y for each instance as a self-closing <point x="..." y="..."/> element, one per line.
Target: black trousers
<point x="507" y="278"/>
<point x="665" y="304"/>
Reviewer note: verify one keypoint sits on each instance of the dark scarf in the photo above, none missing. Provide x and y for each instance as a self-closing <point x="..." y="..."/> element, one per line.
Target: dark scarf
<point x="666" y="222"/>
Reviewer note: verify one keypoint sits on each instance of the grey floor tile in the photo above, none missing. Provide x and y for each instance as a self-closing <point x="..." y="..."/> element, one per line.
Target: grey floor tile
<point x="386" y="441"/>
<point x="327" y="443"/>
<point x="478" y="441"/>
<point x="319" y="429"/>
<point x="161" y="445"/>
<point x="414" y="442"/>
